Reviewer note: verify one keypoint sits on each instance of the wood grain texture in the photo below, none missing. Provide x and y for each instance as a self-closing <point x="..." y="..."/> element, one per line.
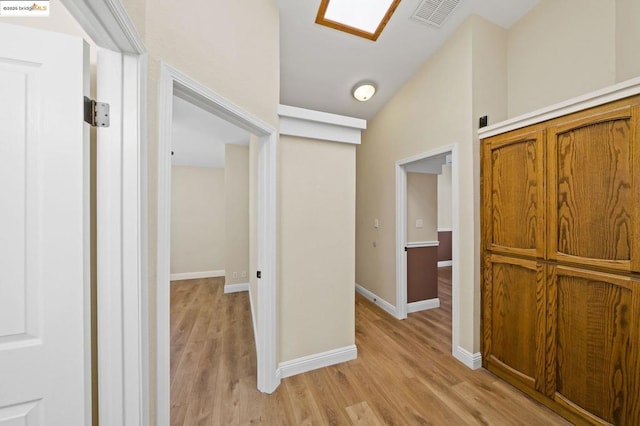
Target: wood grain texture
<point x="587" y="293"/>
<point x="591" y="189"/>
<point x="595" y="367"/>
<point x="517" y="302"/>
<point x="404" y="373"/>
<point x="513" y="179"/>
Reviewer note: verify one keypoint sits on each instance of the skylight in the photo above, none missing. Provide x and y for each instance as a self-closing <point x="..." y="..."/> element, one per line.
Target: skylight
<point x="364" y="18"/>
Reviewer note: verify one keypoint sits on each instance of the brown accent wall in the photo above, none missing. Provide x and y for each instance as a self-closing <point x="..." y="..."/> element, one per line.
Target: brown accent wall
<point x="422" y="273"/>
<point x="444" y="248"/>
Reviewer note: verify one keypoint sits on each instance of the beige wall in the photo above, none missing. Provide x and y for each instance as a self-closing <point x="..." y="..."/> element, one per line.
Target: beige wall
<point x="559" y="50"/>
<point x="627" y="39"/>
<point x="436" y="108"/>
<point x="432" y="110"/>
<point x="444" y="198"/>
<point x="422" y="204"/>
<point x="236" y="192"/>
<point x="489" y="92"/>
<point x="230" y="46"/>
<point x="317" y="247"/>
<point x="197" y="219"/>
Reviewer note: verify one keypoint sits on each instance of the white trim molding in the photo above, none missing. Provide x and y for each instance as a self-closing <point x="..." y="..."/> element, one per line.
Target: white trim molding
<point x="237" y="288"/>
<point x="195" y="275"/>
<point x="473" y="361"/>
<point x="386" y="306"/>
<point x="107" y="23"/>
<point x="423" y="305"/>
<point x="315" y="361"/>
<point x="175" y="82"/>
<point x="122" y="288"/>
<point x="444" y="263"/>
<point x="307" y="123"/>
<point x="444" y="229"/>
<point x="602" y="96"/>
<point x="417" y="244"/>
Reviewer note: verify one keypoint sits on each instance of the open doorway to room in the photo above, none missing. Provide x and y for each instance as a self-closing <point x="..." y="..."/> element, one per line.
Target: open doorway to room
<point x="210" y="194"/>
<point x="426" y="240"/>
<point x="262" y="235"/>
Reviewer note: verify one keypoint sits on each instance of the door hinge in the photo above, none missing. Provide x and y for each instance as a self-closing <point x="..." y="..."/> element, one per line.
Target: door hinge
<point x="96" y="113"/>
<point x="259" y="274"/>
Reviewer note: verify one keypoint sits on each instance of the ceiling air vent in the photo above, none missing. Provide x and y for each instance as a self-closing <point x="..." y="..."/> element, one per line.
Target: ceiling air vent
<point x="435" y="12"/>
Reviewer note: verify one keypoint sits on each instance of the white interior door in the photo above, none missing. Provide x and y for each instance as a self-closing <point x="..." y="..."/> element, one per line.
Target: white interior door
<point x="44" y="229"/>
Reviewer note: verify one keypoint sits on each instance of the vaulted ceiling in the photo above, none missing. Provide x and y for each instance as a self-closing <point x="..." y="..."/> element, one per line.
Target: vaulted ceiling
<point x="319" y="66"/>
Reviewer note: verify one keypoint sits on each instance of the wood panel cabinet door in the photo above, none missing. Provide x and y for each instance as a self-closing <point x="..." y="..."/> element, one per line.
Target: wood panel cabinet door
<point x="513" y="193"/>
<point x="593" y="365"/>
<point x="514" y="319"/>
<point x="594" y="191"/>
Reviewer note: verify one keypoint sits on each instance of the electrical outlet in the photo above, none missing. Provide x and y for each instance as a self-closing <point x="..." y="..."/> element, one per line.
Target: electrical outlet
<point x="235" y="275"/>
<point x="243" y="274"/>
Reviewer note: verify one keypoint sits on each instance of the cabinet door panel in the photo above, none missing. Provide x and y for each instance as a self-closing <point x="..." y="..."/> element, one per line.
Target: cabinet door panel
<point x="513" y="193"/>
<point x="514" y="304"/>
<point x="593" y="325"/>
<point x="591" y="190"/>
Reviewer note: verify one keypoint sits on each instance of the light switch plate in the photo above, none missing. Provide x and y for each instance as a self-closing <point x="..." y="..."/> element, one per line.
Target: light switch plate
<point x="419" y="223"/>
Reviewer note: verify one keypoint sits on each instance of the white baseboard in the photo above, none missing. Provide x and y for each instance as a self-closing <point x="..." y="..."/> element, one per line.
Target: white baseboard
<point x="473" y="361"/>
<point x="235" y="288"/>
<point x="315" y="361"/>
<point x="377" y="300"/>
<point x="423" y="305"/>
<point x="442" y="263"/>
<point x="194" y="275"/>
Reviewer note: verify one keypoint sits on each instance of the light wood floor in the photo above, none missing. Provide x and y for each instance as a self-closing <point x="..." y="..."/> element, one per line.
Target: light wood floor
<point x="404" y="374"/>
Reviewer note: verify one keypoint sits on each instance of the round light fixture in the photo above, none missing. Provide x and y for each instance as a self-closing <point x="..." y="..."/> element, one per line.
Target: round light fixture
<point x="363" y="91"/>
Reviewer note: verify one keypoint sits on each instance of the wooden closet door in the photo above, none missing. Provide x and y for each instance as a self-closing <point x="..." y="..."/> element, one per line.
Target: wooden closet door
<point x="514" y="319"/>
<point x="593" y="364"/>
<point x="513" y="193"/>
<point x="593" y="189"/>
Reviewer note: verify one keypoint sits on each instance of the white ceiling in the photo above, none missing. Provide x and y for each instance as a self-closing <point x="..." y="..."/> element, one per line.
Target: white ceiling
<point x="319" y="66"/>
<point x="199" y="137"/>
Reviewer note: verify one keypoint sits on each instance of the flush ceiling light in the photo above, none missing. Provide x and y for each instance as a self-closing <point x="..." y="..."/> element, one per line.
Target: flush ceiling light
<point x="363" y="91"/>
<point x="363" y="18"/>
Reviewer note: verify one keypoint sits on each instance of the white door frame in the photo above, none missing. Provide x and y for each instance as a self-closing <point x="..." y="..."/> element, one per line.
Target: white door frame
<point x="401" y="236"/>
<point x="173" y="82"/>
<point x="121" y="216"/>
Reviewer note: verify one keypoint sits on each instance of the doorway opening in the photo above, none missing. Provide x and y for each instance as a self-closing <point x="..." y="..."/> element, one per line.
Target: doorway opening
<point x="263" y="295"/>
<point x="210" y="256"/>
<point x="420" y="225"/>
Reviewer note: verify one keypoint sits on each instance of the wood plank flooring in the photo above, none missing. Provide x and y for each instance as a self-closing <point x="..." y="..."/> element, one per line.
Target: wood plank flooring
<point x="404" y="374"/>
